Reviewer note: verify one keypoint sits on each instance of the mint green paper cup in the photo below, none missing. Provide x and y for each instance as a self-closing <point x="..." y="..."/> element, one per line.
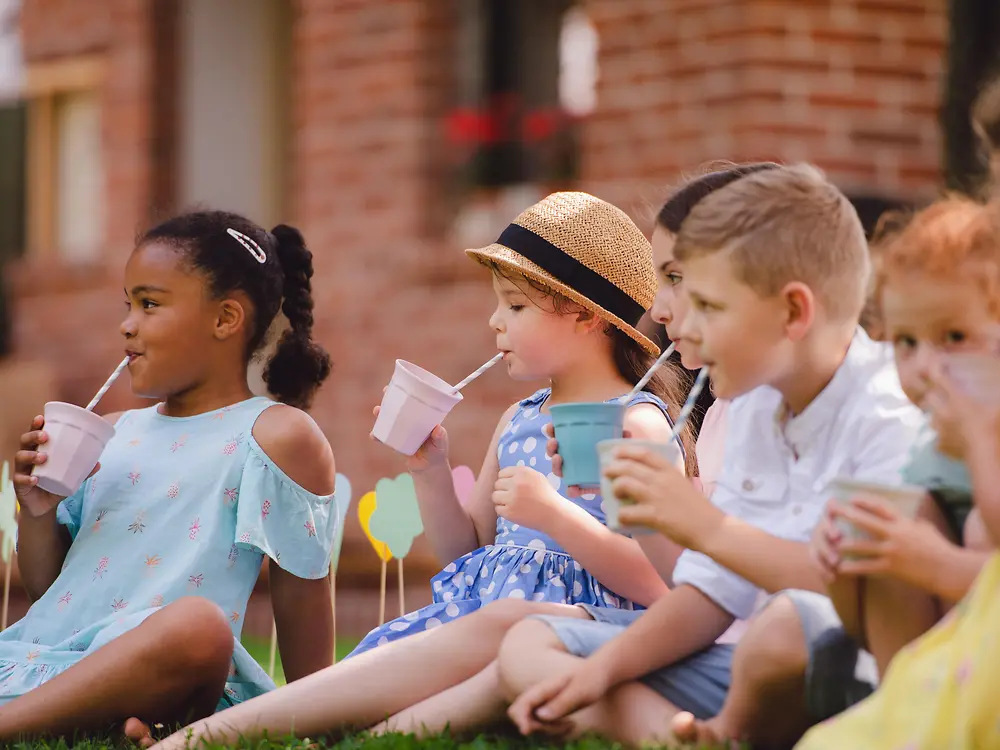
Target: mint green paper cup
<point x="579" y="428"/>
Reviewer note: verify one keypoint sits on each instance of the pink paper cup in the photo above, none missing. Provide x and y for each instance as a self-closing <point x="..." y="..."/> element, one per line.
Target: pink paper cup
<point x="415" y="402"/>
<point x="904" y="498"/>
<point x="77" y="438"/>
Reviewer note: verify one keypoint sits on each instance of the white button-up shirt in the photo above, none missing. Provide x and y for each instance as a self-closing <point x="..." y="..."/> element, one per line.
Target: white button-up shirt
<point x="777" y="469"/>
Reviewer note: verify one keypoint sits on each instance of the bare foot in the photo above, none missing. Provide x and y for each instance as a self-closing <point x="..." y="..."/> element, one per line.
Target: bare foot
<point x="139" y="732"/>
<point x="709" y="733"/>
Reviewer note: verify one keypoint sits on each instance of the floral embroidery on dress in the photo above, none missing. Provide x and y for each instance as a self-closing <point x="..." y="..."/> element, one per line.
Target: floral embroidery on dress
<point x="65" y="599"/>
<point x="196" y="580"/>
<point x="97" y="521"/>
<point x="134" y="476"/>
<point x="265" y="509"/>
<point x="179" y="443"/>
<point x="310" y="527"/>
<point x="232" y="444"/>
<point x="137" y="526"/>
<point x="194" y="528"/>
<point x="231" y="494"/>
<point x="118" y="605"/>
<point x="102" y="568"/>
<point x="173" y="490"/>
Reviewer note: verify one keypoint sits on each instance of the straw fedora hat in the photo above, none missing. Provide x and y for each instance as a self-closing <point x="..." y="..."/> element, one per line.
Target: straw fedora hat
<point x="586" y="250"/>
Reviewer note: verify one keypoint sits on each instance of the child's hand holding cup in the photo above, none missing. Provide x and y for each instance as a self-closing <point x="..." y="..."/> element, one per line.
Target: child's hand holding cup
<point x="611" y="504"/>
<point x="904" y="499"/>
<point x="59" y="453"/>
<point x="414" y="403"/>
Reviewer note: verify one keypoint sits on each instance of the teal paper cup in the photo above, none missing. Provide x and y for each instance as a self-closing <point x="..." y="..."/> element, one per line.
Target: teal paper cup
<point x="579" y="428"/>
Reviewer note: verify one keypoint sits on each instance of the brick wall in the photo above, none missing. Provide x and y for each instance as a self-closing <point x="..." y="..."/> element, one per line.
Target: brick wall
<point x="849" y="84"/>
<point x="852" y="85"/>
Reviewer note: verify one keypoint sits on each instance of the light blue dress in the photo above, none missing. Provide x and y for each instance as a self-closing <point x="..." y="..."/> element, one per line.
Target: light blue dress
<point x="522" y="563"/>
<point x="180" y="507"/>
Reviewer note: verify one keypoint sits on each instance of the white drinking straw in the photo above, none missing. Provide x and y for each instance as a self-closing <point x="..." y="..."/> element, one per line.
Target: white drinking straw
<point x="692" y="399"/>
<point x="649" y="374"/>
<point x="104" y="388"/>
<point x="477" y="373"/>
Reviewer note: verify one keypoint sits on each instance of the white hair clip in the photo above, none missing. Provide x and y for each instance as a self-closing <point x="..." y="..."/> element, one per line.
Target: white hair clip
<point x="253" y="248"/>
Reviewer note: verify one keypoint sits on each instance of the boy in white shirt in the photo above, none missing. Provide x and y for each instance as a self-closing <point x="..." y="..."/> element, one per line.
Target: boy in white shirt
<point x="776" y="266"/>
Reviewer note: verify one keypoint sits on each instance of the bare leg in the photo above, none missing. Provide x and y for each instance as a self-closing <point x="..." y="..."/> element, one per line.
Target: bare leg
<point x="171" y="668"/>
<point x="631" y="713"/>
<point x="473" y="704"/>
<point x="896" y="613"/>
<point x="369" y="687"/>
<point x="766" y="699"/>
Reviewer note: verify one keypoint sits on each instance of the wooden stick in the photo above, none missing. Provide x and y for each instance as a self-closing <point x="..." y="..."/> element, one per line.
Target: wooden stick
<point x="333" y="603"/>
<point x="274" y="647"/>
<point x="381" y="598"/>
<point x="6" y="593"/>
<point x="402" y="600"/>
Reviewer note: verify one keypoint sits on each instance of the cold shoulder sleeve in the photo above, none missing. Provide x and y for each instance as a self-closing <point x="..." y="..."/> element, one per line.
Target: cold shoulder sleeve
<point x="280" y="519"/>
<point x="69" y="512"/>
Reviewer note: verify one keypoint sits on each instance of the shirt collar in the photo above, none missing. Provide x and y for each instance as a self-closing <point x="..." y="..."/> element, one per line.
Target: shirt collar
<point x="802" y="430"/>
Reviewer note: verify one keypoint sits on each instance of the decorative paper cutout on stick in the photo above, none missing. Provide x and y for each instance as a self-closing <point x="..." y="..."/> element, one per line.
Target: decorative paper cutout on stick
<point x="342" y="501"/>
<point x="366" y="508"/>
<point x="396" y="520"/>
<point x="8" y="527"/>
<point x="464" y="480"/>
<point x="8" y="513"/>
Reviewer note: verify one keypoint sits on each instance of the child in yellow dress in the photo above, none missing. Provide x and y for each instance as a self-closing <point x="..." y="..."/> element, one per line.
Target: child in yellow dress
<point x="939" y="691"/>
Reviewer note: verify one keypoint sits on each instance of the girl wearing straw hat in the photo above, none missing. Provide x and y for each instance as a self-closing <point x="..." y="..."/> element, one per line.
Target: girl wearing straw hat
<point x="572" y="277"/>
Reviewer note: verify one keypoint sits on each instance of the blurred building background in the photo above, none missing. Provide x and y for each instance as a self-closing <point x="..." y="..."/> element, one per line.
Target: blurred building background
<point x="395" y="133"/>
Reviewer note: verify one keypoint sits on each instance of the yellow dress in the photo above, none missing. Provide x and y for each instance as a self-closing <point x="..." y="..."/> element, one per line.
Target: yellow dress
<point x="942" y="692"/>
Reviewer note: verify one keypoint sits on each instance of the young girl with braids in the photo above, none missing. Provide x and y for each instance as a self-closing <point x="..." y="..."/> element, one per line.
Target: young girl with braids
<point x="140" y="580"/>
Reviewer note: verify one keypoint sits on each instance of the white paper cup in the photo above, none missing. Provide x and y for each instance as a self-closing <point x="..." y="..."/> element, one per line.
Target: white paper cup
<point x="905" y="498"/>
<point x="77" y="438"/>
<point x="415" y="402"/>
<point x="611" y="504"/>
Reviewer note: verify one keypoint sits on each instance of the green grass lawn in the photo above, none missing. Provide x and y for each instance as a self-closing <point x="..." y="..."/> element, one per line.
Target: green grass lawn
<point x="260" y="650"/>
<point x="387" y="742"/>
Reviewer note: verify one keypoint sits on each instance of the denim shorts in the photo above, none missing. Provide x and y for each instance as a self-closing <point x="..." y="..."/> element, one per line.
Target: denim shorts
<point x="839" y="673"/>
<point x="698" y="683"/>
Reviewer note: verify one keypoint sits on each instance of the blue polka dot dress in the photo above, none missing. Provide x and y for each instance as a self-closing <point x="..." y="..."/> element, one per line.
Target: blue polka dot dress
<point x="180" y="507"/>
<point x="522" y="563"/>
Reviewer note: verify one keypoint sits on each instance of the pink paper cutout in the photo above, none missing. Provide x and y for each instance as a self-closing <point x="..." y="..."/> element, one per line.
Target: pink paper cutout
<point x="464" y="480"/>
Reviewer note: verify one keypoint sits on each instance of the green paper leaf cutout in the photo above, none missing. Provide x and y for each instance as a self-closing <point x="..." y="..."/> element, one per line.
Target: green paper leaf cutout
<point x="342" y="502"/>
<point x="396" y="521"/>
<point x="8" y="513"/>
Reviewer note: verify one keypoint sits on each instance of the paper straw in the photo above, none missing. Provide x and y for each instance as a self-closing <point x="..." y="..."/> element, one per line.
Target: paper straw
<point x="477" y="373"/>
<point x="104" y="388"/>
<point x="692" y="399"/>
<point x="649" y="374"/>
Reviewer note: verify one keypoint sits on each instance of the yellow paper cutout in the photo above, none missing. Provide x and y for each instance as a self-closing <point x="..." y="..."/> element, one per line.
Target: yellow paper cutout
<point x="366" y="507"/>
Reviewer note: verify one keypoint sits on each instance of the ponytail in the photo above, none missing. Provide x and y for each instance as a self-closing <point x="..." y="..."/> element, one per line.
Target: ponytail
<point x="299" y="365"/>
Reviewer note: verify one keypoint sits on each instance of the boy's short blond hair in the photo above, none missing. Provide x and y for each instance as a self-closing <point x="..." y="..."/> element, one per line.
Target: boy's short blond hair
<point x="783" y="225"/>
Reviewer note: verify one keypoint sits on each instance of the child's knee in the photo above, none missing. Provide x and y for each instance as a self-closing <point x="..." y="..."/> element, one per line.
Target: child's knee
<point x="517" y="660"/>
<point x="774" y="646"/>
<point x="196" y="635"/>
<point x="930" y="511"/>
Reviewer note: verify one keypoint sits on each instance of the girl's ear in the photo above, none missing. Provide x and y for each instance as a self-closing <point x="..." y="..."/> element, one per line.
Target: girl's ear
<point x="586" y="322"/>
<point x="230" y="319"/>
